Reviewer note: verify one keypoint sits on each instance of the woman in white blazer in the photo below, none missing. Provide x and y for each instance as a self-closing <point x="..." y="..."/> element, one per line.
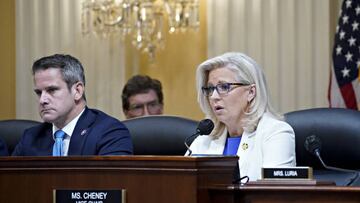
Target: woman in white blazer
<point x="232" y="92"/>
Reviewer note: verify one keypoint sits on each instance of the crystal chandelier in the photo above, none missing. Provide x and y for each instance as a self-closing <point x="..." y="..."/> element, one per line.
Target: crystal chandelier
<point x="143" y="20"/>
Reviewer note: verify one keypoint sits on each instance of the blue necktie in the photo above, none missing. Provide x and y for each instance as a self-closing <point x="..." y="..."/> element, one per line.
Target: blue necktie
<point x="58" y="149"/>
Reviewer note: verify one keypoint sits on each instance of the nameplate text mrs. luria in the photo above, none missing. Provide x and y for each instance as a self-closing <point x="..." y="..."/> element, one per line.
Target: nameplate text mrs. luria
<point x="287" y="173"/>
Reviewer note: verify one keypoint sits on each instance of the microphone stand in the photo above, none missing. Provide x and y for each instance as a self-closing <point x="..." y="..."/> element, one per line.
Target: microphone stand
<point x="204" y="127"/>
<point x="317" y="153"/>
<point x="188" y="139"/>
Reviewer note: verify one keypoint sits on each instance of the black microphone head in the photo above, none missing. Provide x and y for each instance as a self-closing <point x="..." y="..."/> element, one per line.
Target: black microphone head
<point x="312" y="144"/>
<point x="205" y="127"/>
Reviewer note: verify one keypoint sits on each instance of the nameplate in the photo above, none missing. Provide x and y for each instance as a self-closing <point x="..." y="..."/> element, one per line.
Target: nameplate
<point x="302" y="173"/>
<point x="88" y="196"/>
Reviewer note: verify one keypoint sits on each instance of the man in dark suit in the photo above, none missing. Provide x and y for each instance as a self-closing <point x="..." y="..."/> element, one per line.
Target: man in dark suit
<point x="70" y="127"/>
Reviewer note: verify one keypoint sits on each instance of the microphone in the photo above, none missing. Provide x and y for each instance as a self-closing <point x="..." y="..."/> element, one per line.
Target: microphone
<point x="204" y="128"/>
<point x="313" y="145"/>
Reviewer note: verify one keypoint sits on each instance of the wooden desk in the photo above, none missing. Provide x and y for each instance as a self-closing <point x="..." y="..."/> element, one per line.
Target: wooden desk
<point x="282" y="194"/>
<point x="145" y="178"/>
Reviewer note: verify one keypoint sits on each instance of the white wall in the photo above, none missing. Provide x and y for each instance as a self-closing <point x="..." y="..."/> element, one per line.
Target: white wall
<point x="290" y="39"/>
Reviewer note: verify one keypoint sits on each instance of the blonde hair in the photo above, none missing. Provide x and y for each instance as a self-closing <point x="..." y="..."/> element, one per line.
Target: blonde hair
<point x="245" y="69"/>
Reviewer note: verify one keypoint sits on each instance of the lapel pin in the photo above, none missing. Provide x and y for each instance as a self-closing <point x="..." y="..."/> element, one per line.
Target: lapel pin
<point x="83" y="132"/>
<point x="245" y="146"/>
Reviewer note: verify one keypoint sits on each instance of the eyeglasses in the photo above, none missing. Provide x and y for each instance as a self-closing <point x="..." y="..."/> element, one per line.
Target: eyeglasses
<point x="152" y="107"/>
<point x="221" y="88"/>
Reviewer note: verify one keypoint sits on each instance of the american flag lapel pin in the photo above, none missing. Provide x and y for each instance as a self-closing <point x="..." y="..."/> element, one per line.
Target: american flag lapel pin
<point x="83" y="132"/>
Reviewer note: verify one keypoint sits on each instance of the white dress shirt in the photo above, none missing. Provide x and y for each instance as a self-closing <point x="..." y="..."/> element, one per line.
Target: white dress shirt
<point x="68" y="129"/>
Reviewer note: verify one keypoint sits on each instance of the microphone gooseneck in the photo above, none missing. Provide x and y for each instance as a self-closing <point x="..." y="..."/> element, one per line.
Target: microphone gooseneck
<point x="204" y="128"/>
<point x="313" y="145"/>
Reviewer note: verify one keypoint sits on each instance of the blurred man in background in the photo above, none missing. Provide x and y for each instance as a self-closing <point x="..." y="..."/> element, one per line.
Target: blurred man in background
<point x="142" y="96"/>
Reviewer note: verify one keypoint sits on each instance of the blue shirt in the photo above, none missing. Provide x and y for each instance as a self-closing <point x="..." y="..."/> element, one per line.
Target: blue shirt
<point x="231" y="146"/>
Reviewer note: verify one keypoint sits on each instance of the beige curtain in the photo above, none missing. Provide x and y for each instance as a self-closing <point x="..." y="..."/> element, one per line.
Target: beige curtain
<point x="290" y="39"/>
<point x="46" y="27"/>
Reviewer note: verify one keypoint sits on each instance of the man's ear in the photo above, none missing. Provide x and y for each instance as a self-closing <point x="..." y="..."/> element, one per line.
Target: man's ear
<point x="252" y="92"/>
<point x="78" y="89"/>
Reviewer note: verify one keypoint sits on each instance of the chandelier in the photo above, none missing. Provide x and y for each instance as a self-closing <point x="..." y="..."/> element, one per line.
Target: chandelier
<point x="142" y="20"/>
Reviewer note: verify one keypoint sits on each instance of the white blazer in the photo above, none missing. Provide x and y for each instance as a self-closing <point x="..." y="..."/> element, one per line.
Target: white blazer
<point x="272" y="144"/>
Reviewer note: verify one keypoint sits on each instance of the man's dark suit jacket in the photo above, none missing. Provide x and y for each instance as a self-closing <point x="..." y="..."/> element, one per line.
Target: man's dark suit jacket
<point x="3" y="148"/>
<point x="95" y="133"/>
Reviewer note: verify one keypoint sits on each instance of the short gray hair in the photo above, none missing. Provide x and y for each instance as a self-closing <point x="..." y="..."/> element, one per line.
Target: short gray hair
<point x="70" y="67"/>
